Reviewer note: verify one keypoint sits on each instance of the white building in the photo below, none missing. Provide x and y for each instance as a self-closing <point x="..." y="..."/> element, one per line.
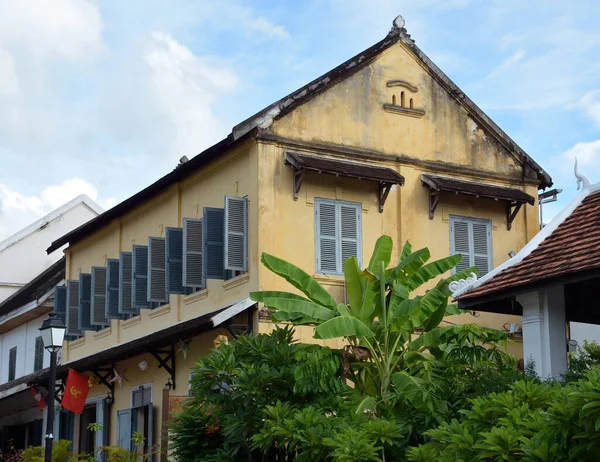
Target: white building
<point x="27" y="279"/>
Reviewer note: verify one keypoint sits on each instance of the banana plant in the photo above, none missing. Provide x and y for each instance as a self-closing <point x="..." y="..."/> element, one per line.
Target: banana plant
<point x="393" y="338"/>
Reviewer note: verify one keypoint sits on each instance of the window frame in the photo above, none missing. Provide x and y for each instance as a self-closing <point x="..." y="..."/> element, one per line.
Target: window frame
<point x="470" y="221"/>
<point x="338" y="238"/>
<point x="144" y="386"/>
<point x="12" y="364"/>
<point x="38" y="356"/>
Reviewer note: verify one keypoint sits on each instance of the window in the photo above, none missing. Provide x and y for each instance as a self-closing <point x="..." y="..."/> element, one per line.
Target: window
<point x="472" y="238"/>
<point x="12" y="363"/>
<point x="338" y="234"/>
<point x="141" y="396"/>
<point x="38" y="359"/>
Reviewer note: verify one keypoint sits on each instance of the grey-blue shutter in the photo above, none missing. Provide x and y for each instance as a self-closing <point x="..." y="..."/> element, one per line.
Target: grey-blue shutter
<point x="236" y="233"/>
<point x="350" y="233"/>
<point x="98" y="304"/>
<point x="60" y="303"/>
<point x="112" y="289"/>
<point x="472" y="238"/>
<point x="213" y="234"/>
<point x="157" y="270"/>
<point x="125" y="284"/>
<point x="150" y="419"/>
<point x="326" y="233"/>
<point x="193" y="249"/>
<point x="481" y="237"/>
<point x="102" y="419"/>
<point x="124" y="428"/>
<point x="85" y="297"/>
<point x="72" y="323"/>
<point x="139" y="263"/>
<point x="174" y="248"/>
<point x="459" y="242"/>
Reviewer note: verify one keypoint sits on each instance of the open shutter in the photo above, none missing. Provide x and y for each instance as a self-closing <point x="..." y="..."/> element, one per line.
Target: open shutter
<point x="213" y="265"/>
<point x="193" y="245"/>
<point x="98" y="303"/>
<point x="157" y="270"/>
<point x="112" y="289"/>
<point x="174" y="248"/>
<point x="326" y="232"/>
<point x="85" y="297"/>
<point x="459" y="242"/>
<point x="72" y="323"/>
<point x="236" y="233"/>
<point x="124" y="428"/>
<point x="481" y="245"/>
<point x="60" y="303"/>
<point x="125" y="284"/>
<point x="350" y="231"/>
<point x="102" y="419"/>
<point x="150" y="420"/>
<point x="139" y="263"/>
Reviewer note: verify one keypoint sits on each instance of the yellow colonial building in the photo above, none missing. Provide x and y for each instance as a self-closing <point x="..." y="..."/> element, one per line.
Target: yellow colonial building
<point x="385" y="143"/>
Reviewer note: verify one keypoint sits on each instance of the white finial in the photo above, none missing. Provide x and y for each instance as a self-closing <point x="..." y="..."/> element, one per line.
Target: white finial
<point x="581" y="179"/>
<point x="399" y="22"/>
<point x="462" y="284"/>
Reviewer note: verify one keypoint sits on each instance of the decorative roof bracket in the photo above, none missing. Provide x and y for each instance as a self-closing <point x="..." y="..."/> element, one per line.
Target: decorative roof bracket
<point x="299" y="175"/>
<point x="384" y="190"/>
<point x="434" y="200"/>
<point x="166" y="360"/>
<point x="511" y="212"/>
<point x="102" y="374"/>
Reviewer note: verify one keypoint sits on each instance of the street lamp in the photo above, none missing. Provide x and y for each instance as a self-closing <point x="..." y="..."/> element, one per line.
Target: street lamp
<point x="53" y="334"/>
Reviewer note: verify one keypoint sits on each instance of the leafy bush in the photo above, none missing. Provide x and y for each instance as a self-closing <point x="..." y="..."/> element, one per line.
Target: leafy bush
<point x="586" y="357"/>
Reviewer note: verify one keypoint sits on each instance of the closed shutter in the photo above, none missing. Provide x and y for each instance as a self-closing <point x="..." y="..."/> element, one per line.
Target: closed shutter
<point x="213" y="240"/>
<point x="12" y="364"/>
<point x="157" y="270"/>
<point x="85" y="297"/>
<point x="139" y="263"/>
<point x="350" y="232"/>
<point x="98" y="303"/>
<point x="125" y="284"/>
<point x="102" y="419"/>
<point x="472" y="238"/>
<point x="38" y="359"/>
<point x="174" y="247"/>
<point x="72" y="323"/>
<point x="193" y="245"/>
<point x="327" y="254"/>
<point x="236" y="233"/>
<point x="124" y="428"/>
<point x="112" y="289"/>
<point x="60" y="303"/>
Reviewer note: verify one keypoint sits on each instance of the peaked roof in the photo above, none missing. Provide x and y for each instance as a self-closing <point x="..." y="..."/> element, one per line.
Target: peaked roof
<point x="567" y="245"/>
<point x="285" y="105"/>
<point x="42" y="222"/>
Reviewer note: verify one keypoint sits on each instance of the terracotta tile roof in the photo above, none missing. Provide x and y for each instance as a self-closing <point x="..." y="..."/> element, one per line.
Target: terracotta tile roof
<point x="573" y="246"/>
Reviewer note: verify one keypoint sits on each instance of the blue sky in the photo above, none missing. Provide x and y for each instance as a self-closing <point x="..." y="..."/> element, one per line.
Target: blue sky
<point x="104" y="97"/>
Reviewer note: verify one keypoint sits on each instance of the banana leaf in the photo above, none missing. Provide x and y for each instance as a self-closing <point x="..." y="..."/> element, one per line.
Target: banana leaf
<point x="355" y="284"/>
<point x="381" y="253"/>
<point x="261" y="295"/>
<point x="343" y="326"/>
<point x="412" y="263"/>
<point x="398" y="295"/>
<point x="432" y="270"/>
<point x="433" y="338"/>
<point x="436" y="317"/>
<point x="305" y="307"/>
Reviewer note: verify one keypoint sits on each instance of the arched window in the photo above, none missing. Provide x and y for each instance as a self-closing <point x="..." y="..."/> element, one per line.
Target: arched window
<point x="402" y="99"/>
<point x="394" y="100"/>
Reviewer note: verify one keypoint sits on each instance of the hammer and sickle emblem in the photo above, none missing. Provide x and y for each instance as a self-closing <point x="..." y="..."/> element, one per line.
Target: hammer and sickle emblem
<point x="75" y="392"/>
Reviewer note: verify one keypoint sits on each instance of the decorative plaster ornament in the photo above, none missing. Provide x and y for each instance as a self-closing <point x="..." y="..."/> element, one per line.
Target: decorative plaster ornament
<point x="220" y="340"/>
<point x="118" y="377"/>
<point x="456" y="286"/>
<point x="184" y="347"/>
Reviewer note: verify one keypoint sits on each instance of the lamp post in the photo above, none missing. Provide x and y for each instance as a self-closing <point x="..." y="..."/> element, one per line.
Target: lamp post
<point x="53" y="334"/>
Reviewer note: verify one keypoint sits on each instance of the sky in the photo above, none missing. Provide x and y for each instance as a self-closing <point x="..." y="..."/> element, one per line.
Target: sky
<point x="103" y="98"/>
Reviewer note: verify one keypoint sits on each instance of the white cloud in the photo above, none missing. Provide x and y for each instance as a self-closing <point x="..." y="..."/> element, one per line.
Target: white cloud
<point x="18" y="210"/>
<point x="269" y="29"/>
<point x="586" y="153"/>
<point x="590" y="103"/>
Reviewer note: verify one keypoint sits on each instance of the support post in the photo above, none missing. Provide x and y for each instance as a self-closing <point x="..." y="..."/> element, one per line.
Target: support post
<point x="50" y="417"/>
<point x="544" y="332"/>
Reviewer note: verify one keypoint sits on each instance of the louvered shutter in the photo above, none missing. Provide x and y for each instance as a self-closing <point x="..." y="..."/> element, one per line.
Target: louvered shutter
<point x="460" y="240"/>
<point x="72" y="323"/>
<point x="157" y="270"/>
<point x="350" y="233"/>
<point x="481" y="237"/>
<point x="174" y="247"/>
<point x="213" y="240"/>
<point x="85" y="297"/>
<point x="193" y="245"/>
<point x="139" y="263"/>
<point x="112" y="289"/>
<point x="98" y="302"/>
<point x="327" y="253"/>
<point x="60" y="303"/>
<point x="236" y="233"/>
<point x="125" y="284"/>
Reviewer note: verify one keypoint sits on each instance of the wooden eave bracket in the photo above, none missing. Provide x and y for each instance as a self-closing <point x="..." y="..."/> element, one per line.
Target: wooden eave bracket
<point x="384" y="190"/>
<point x="103" y="374"/>
<point x="299" y="175"/>
<point x="512" y="208"/>
<point x="434" y="200"/>
<point x="166" y="360"/>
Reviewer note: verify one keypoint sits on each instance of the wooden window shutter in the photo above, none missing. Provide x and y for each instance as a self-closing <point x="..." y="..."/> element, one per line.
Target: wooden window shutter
<point x="471" y="238"/>
<point x="193" y="235"/>
<point x="60" y="303"/>
<point x="38" y="359"/>
<point x="350" y="233"/>
<point x="124" y="428"/>
<point x="98" y="302"/>
<point x="481" y="245"/>
<point x="125" y="284"/>
<point x="157" y="270"/>
<point x="460" y="242"/>
<point x="236" y="233"/>
<point x="213" y="236"/>
<point x="85" y="298"/>
<point x="174" y="248"/>
<point x="112" y="289"/>
<point x="72" y="323"/>
<point x="139" y="288"/>
<point x="326" y="232"/>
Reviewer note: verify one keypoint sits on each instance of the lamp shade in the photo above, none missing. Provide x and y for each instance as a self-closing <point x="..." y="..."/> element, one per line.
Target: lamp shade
<point x="53" y="332"/>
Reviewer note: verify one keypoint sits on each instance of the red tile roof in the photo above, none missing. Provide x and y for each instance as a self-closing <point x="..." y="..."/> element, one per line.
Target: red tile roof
<point x="572" y="247"/>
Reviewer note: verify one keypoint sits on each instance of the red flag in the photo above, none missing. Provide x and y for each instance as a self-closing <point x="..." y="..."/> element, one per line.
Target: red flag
<point x="37" y="394"/>
<point x="76" y="392"/>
